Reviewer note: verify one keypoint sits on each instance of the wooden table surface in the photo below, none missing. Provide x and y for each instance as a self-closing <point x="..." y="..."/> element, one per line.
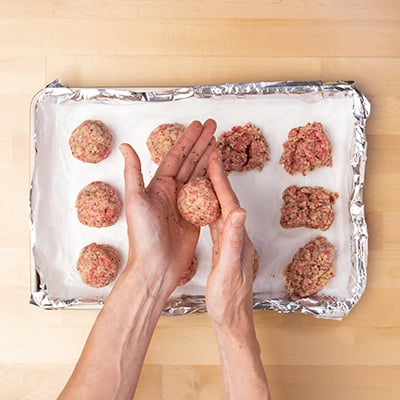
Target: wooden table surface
<point x="177" y="42"/>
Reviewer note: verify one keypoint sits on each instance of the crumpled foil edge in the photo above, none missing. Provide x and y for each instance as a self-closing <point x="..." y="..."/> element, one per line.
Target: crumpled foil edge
<point x="318" y="306"/>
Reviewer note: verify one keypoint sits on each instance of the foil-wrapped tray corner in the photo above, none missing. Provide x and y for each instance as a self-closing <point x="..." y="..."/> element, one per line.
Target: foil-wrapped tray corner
<point x="327" y="307"/>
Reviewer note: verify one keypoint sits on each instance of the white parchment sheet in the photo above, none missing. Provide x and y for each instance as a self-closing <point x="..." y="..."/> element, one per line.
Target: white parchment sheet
<point x="58" y="236"/>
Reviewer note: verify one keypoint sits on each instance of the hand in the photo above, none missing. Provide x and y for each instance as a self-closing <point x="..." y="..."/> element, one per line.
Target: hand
<point x="161" y="242"/>
<point x="229" y="288"/>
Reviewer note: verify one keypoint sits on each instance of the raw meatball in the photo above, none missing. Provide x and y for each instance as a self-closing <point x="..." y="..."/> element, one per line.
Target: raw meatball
<point x="162" y="138"/>
<point x="91" y="141"/>
<point x="311" y="268"/>
<point x="309" y="207"/>
<point x="306" y="149"/>
<point x="243" y="148"/>
<point x="98" y="205"/>
<point x="190" y="272"/>
<point x="198" y="203"/>
<point x="98" y="264"/>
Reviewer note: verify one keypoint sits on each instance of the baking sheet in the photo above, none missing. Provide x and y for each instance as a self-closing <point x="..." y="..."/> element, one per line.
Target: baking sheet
<point x="131" y="114"/>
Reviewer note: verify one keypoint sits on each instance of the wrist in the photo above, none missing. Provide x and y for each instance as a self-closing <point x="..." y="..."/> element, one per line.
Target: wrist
<point x="240" y="354"/>
<point x="137" y="298"/>
<point x="232" y="314"/>
<point x="149" y="277"/>
<point x="238" y="329"/>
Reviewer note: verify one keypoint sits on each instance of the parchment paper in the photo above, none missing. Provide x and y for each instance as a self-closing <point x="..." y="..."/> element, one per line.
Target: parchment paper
<point x="58" y="177"/>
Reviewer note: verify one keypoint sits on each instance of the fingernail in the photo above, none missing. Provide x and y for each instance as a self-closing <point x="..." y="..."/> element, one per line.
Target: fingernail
<point x="238" y="218"/>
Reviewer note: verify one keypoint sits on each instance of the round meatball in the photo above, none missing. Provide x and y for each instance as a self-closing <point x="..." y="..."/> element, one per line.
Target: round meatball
<point x="198" y="203"/>
<point x="190" y="272"/>
<point x="98" y="205"/>
<point x="98" y="264"/>
<point x="91" y="141"/>
<point x="243" y="148"/>
<point x="162" y="138"/>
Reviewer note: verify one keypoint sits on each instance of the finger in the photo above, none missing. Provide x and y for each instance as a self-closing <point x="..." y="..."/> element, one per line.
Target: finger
<point x="215" y="228"/>
<point x="233" y="238"/>
<point x="133" y="177"/>
<point x="172" y="162"/>
<point x="222" y="187"/>
<point x="202" y="165"/>
<point x="199" y="153"/>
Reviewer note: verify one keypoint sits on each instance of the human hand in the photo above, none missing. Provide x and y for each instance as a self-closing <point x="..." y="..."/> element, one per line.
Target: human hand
<point x="161" y="242"/>
<point x="229" y="288"/>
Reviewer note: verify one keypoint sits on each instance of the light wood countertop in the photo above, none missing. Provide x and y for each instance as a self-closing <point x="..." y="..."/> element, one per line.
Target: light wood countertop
<point x="176" y="42"/>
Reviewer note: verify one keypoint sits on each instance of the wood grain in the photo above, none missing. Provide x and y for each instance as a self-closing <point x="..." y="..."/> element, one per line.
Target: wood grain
<point x="177" y="42"/>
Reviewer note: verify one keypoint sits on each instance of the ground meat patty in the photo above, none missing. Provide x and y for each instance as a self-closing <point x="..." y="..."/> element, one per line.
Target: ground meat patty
<point x="162" y="138"/>
<point x="190" y="272"/>
<point x="98" y="205"/>
<point x="309" y="207"/>
<point x="98" y="264"/>
<point x="243" y="148"/>
<point x="306" y="149"/>
<point x="91" y="141"/>
<point x="198" y="203"/>
<point x="311" y="268"/>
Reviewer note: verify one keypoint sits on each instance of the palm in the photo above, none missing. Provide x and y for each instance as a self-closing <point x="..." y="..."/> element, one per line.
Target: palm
<point x="155" y="226"/>
<point x="179" y="238"/>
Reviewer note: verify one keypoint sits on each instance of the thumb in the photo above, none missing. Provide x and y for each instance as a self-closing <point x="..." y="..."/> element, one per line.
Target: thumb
<point x="133" y="177"/>
<point x="232" y="240"/>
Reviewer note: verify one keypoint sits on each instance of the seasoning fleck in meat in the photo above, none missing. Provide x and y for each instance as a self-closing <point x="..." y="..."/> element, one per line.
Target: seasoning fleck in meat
<point x="243" y="148"/>
<point x="306" y="149"/>
<point x="190" y="271"/>
<point x="256" y="264"/>
<point x="162" y="138"/>
<point x="91" y="141"/>
<point x="309" y="207"/>
<point x="98" y="205"/>
<point x="98" y="264"/>
<point x="198" y="203"/>
<point x="311" y="268"/>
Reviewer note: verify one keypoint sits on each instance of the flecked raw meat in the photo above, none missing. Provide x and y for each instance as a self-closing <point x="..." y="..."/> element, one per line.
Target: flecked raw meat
<point x="91" y="141"/>
<point x="306" y="149"/>
<point x="243" y="148"/>
<point x="198" y="203"/>
<point x="98" y="205"/>
<point x="190" y="272"/>
<point x="256" y="264"/>
<point x="98" y="264"/>
<point x="162" y="138"/>
<point x="311" y="268"/>
<point x="309" y="207"/>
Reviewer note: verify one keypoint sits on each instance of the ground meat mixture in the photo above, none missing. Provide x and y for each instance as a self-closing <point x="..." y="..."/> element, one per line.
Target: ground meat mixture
<point x="306" y="149"/>
<point x="98" y="205"/>
<point x="198" y="203"/>
<point x="190" y="272"/>
<point x="309" y="207"/>
<point x="256" y="264"/>
<point x="98" y="264"/>
<point x="243" y="148"/>
<point x="162" y="138"/>
<point x="310" y="269"/>
<point x="91" y="141"/>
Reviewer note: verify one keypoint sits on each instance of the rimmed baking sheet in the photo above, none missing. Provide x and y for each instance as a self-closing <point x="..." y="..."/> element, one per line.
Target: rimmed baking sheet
<point x="131" y="113"/>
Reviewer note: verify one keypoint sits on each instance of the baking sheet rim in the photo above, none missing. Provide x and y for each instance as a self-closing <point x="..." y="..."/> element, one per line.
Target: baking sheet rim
<point x="320" y="307"/>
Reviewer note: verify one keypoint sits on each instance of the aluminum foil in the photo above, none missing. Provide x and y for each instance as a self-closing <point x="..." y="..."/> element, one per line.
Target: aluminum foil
<point x="320" y="306"/>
